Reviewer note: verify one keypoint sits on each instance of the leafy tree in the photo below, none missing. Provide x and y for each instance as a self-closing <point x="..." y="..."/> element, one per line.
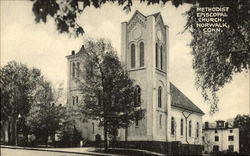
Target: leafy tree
<point x="69" y="134"/>
<point x="216" y="56"/>
<point x="243" y="123"/>
<point x="108" y="90"/>
<point x="18" y="83"/>
<point x="45" y="116"/>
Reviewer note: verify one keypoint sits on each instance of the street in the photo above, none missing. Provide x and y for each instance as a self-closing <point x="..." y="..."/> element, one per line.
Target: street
<point x="21" y="152"/>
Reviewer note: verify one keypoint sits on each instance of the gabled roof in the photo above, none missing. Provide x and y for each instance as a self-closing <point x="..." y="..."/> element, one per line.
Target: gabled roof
<point x="181" y="101"/>
<point x="155" y="14"/>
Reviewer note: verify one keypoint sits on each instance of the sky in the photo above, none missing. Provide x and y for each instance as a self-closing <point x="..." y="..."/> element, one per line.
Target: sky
<point x="41" y="46"/>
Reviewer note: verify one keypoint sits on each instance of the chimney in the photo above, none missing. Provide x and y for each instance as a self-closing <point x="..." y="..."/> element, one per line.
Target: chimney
<point x="226" y="125"/>
<point x="206" y="125"/>
<point x="73" y="52"/>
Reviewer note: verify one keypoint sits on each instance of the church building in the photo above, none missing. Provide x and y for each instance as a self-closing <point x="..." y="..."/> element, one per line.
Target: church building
<point x="172" y="122"/>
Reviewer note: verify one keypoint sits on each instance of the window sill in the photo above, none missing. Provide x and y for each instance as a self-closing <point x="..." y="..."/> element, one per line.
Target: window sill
<point x="161" y="110"/>
<point x="160" y="70"/>
<point x="135" y="69"/>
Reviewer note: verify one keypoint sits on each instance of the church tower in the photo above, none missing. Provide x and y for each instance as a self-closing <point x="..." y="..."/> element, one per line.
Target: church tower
<point x="144" y="51"/>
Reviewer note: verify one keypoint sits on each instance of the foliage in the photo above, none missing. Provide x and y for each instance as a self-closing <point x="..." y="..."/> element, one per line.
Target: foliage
<point x="66" y="12"/>
<point x="18" y="83"/>
<point x="69" y="134"/>
<point x="45" y="116"/>
<point x="243" y="123"/>
<point x="108" y="90"/>
<point x="218" y="56"/>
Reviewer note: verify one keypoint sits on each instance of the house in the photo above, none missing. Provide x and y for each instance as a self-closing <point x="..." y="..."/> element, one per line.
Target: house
<point x="220" y="137"/>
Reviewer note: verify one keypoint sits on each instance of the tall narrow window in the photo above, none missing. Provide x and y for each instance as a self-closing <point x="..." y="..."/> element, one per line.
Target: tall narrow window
<point x="172" y="126"/>
<point x="137" y="95"/>
<point x="159" y="97"/>
<point x="141" y="54"/>
<point x="161" y="58"/>
<point x="160" y="120"/>
<point x="181" y="127"/>
<point x="156" y="55"/>
<point x="76" y="99"/>
<point x="93" y="127"/>
<point x="136" y="122"/>
<point x="78" y="69"/>
<point x="73" y="69"/>
<point x="132" y="56"/>
<point x="197" y="129"/>
<point x="73" y="100"/>
<point x="190" y="128"/>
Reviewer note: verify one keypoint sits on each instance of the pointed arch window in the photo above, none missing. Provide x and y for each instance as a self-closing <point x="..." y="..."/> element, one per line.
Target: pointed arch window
<point x="141" y="54"/>
<point x="161" y="58"/>
<point x="156" y="55"/>
<point x="73" y="69"/>
<point x="137" y="95"/>
<point x="160" y="97"/>
<point x="190" y="128"/>
<point x="172" y="126"/>
<point x="181" y="127"/>
<point x="132" y="56"/>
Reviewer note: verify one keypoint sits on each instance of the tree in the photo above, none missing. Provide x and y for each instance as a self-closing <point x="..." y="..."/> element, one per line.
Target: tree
<point x="216" y="56"/>
<point x="70" y="136"/>
<point x="108" y="91"/>
<point x="46" y="114"/>
<point x="243" y="123"/>
<point x="18" y="83"/>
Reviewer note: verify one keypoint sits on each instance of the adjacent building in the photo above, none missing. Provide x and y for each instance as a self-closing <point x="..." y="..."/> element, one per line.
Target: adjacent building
<point x="220" y="137"/>
<point x="171" y="118"/>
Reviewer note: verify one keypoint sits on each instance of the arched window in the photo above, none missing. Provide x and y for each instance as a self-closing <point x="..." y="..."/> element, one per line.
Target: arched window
<point x="132" y="56"/>
<point x="190" y="128"/>
<point x="197" y="129"/>
<point x="181" y="127"/>
<point x="160" y="120"/>
<point x="159" y="97"/>
<point x="161" y="57"/>
<point x="78" y="69"/>
<point x="141" y="54"/>
<point x="137" y="95"/>
<point x="73" y="69"/>
<point x="73" y="100"/>
<point x="156" y="55"/>
<point x="76" y="99"/>
<point x="172" y="126"/>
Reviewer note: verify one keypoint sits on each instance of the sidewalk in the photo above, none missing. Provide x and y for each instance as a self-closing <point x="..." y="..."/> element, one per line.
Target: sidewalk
<point x="81" y="150"/>
<point x="75" y="150"/>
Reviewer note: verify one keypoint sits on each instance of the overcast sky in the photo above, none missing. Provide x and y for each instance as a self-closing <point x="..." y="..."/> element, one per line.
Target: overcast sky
<point x="40" y="45"/>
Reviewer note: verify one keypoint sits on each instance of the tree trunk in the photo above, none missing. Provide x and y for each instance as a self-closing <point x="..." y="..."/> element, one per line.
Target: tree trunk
<point x="126" y="134"/>
<point x="15" y="131"/>
<point x="105" y="135"/>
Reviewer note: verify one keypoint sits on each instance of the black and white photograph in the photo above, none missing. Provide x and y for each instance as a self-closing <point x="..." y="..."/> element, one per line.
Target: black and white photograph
<point x="125" y="77"/>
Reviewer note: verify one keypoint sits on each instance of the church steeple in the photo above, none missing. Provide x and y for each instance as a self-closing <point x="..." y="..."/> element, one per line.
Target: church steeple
<point x="145" y="55"/>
